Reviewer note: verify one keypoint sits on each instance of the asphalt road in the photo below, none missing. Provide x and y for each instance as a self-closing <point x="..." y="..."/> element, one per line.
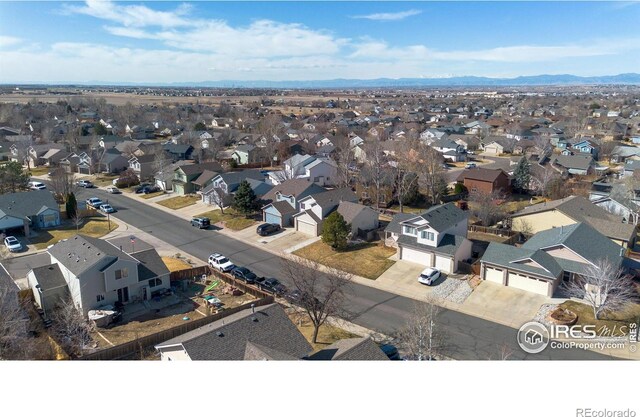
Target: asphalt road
<point x="467" y="337"/>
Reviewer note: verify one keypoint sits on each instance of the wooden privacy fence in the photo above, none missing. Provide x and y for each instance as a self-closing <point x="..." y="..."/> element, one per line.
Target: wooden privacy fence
<point x="129" y="348"/>
<point x="492" y="230"/>
<point x="189" y="273"/>
<point x="229" y="279"/>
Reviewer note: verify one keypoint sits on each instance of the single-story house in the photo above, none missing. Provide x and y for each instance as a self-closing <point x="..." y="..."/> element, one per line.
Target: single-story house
<point x="30" y="209"/>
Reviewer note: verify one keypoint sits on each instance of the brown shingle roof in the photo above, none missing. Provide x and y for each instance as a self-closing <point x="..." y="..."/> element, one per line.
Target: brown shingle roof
<point x="481" y="174"/>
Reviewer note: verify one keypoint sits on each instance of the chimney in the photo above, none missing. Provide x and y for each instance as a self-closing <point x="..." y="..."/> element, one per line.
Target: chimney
<point x="621" y="251"/>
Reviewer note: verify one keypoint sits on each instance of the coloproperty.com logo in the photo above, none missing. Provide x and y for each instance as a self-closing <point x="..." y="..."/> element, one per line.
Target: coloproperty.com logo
<point x="534" y="337"/>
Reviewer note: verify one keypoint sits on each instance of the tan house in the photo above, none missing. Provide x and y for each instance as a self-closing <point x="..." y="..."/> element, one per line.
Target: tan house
<point x="571" y="210"/>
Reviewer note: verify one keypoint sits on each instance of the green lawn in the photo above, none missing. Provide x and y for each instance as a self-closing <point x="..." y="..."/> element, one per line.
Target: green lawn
<point x="367" y="260"/>
<point x="232" y="219"/>
<point x="180" y="201"/>
<point x="611" y="321"/>
<point x="94" y="227"/>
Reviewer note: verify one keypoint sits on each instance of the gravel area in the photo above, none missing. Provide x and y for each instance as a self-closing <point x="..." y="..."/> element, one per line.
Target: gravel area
<point x="451" y="289"/>
<point x="543" y="313"/>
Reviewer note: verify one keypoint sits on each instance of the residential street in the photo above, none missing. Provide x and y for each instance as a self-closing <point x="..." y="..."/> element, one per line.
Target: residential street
<point x="468" y="337"/>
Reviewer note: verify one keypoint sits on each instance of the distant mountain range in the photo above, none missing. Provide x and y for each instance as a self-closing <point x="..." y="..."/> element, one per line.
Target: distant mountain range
<point x="470" y="81"/>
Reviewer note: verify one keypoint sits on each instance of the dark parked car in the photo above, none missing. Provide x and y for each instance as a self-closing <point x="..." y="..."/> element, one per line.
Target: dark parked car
<point x="244" y="274"/>
<point x="391" y="352"/>
<point x="299" y="298"/>
<point x="140" y="189"/>
<point x="201" y="222"/>
<point x="267" y="228"/>
<point x="274" y="286"/>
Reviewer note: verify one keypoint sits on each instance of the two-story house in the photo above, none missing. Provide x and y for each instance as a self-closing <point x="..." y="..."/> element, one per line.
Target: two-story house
<point x="436" y="238"/>
<point x="184" y="175"/>
<point x="178" y="152"/>
<point x="248" y="154"/>
<point x="143" y="166"/>
<point x="99" y="273"/>
<point x="283" y="200"/>
<point x="322" y="171"/>
<point x="315" y="208"/>
<point x="449" y="149"/>
<point x="586" y="146"/>
<point x="226" y="184"/>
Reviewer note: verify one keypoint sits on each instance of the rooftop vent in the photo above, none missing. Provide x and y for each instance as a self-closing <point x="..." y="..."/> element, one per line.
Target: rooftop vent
<point x="219" y="334"/>
<point x="254" y="319"/>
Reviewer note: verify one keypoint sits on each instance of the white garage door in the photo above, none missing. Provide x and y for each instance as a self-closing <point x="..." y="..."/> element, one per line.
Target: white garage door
<point x="528" y="284"/>
<point x="416" y="256"/>
<point x="443" y="263"/>
<point x="493" y="275"/>
<point x="307" y="228"/>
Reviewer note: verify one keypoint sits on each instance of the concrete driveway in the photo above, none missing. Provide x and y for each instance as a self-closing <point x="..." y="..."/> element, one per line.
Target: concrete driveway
<point x="505" y="305"/>
<point x="402" y="277"/>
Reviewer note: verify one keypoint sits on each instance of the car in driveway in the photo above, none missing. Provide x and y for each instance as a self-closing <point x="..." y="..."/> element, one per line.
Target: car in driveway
<point x="244" y="274"/>
<point x="221" y="263"/>
<point x="267" y="228"/>
<point x="35" y="185"/>
<point x="147" y="188"/>
<point x="201" y="222"/>
<point x="12" y="244"/>
<point x="429" y="276"/>
<point x="85" y="184"/>
<point x="113" y="190"/>
<point x="106" y="208"/>
<point x="94" y="202"/>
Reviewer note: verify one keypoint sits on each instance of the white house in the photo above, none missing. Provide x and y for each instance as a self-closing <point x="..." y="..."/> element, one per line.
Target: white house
<point x="436" y="238"/>
<point x="321" y="171"/>
<point x="315" y="208"/>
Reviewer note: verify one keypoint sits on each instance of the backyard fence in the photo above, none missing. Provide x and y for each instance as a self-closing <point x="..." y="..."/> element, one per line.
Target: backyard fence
<point x="198" y="271"/>
<point x="135" y="346"/>
<point x="229" y="279"/>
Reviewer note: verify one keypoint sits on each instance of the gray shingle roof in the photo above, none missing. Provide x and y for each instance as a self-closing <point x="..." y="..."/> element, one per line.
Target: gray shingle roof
<point x="49" y="277"/>
<point x="394" y="225"/>
<point x="582" y="210"/>
<point x="350" y="210"/>
<point x="227" y="339"/>
<point x="80" y="253"/>
<point x="506" y="256"/>
<point x="333" y="197"/>
<point x="294" y="187"/>
<point x="580" y="238"/>
<point x="581" y="161"/>
<point x="151" y="265"/>
<point x="26" y="203"/>
<point x="355" y="349"/>
<point x="283" y="207"/>
<point x="442" y="217"/>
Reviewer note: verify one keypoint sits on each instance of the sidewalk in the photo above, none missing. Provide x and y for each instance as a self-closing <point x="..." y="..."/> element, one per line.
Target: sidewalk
<point x="471" y="309"/>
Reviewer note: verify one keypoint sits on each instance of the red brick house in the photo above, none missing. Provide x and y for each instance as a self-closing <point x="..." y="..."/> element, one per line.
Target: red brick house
<point x="485" y="180"/>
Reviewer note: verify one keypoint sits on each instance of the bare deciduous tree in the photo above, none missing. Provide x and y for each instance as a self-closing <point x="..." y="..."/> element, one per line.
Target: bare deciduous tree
<point x="62" y="183"/>
<point x="322" y="294"/>
<point x="71" y="328"/>
<point x="603" y="287"/>
<point x="431" y="172"/>
<point x="541" y="179"/>
<point x="422" y="338"/>
<point x="486" y="206"/>
<point x="218" y="197"/>
<point x="13" y="325"/>
<point x="375" y="162"/>
<point x="343" y="157"/>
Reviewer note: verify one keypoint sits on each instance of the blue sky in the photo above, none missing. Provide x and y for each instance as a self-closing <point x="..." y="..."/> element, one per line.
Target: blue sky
<point x="197" y="41"/>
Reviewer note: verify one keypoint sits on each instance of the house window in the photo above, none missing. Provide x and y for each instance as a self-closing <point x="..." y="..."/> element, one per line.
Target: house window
<point x="122" y="273"/>
<point x="408" y="230"/>
<point x="99" y="297"/>
<point x="428" y="235"/>
<point x="154" y="282"/>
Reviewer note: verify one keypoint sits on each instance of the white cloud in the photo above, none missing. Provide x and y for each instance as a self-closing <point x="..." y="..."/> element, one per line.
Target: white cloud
<point x="389" y="16"/>
<point x="9" y="41"/>
<point x="133" y="15"/>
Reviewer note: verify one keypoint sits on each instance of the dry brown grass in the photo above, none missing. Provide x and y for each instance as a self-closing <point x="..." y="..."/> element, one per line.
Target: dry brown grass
<point x="327" y="334"/>
<point x="367" y="260"/>
<point x="181" y="201"/>
<point x="174" y="264"/>
<point x="94" y="227"/>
